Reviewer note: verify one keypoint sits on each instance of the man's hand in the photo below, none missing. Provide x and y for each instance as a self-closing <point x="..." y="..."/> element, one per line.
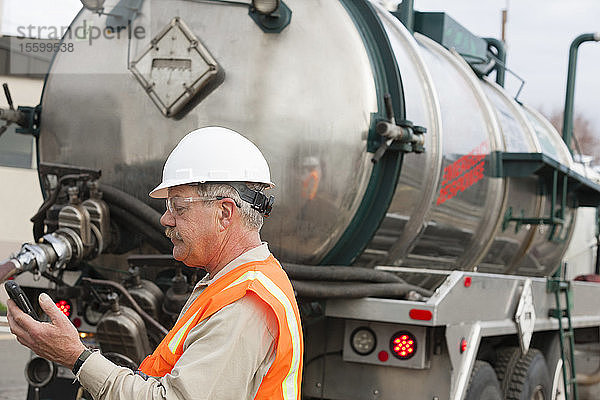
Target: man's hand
<point x="57" y="341"/>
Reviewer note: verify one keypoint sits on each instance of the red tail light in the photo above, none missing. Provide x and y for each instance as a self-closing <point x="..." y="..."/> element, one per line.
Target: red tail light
<point x="421" y="315"/>
<point x="64" y="306"/>
<point x="403" y="345"/>
<point x="463" y="345"/>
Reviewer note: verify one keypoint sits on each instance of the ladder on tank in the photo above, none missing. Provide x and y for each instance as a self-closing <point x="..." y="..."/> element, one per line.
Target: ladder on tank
<point x="558" y="285"/>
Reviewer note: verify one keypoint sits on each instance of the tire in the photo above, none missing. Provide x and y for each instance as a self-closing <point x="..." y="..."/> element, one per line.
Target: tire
<point x="483" y="384"/>
<point x="523" y="377"/>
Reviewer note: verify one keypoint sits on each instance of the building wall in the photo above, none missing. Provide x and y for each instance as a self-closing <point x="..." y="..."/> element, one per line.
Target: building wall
<point x="19" y="201"/>
<point x="20" y="196"/>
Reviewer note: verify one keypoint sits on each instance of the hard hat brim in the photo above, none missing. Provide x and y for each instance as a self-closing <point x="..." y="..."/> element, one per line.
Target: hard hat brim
<point x="162" y="190"/>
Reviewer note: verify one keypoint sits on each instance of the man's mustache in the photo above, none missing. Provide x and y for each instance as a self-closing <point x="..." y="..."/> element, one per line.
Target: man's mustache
<point x="171" y="233"/>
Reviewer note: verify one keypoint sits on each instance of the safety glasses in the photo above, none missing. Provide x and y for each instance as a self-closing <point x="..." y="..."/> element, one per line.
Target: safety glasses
<point x="179" y="205"/>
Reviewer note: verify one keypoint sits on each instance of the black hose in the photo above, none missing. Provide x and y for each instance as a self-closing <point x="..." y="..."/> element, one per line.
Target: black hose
<point x="339" y="273"/>
<point x="131" y="300"/>
<point x="317" y="290"/>
<point x="132" y="205"/>
<point x="40" y="215"/>
<point x="156" y="239"/>
<point x="38" y="218"/>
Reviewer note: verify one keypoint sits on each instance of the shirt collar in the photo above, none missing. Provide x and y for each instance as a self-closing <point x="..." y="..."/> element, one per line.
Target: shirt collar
<point x="258" y="253"/>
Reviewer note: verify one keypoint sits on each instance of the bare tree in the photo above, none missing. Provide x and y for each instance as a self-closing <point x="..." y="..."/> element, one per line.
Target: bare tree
<point x="585" y="140"/>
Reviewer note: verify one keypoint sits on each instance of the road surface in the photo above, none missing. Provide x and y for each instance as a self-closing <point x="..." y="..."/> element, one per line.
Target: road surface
<point x="13" y="358"/>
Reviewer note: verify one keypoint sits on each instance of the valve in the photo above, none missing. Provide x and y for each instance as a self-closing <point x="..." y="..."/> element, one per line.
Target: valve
<point x="408" y="136"/>
<point x="55" y="251"/>
<point x="11" y="115"/>
<point x="81" y="231"/>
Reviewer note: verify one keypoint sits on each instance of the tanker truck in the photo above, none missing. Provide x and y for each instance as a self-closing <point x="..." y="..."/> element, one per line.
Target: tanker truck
<point x="431" y="223"/>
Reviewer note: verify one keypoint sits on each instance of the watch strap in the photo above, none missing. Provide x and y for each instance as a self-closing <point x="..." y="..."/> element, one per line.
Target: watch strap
<point x="80" y="360"/>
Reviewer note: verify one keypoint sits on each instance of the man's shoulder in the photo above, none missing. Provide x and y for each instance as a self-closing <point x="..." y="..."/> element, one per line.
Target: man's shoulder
<point x="251" y="309"/>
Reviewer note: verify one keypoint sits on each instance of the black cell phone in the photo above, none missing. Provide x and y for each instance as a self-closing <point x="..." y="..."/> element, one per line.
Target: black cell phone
<point x="18" y="296"/>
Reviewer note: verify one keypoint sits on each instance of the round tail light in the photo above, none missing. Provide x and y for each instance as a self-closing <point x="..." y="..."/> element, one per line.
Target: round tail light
<point x="64" y="306"/>
<point x="403" y="345"/>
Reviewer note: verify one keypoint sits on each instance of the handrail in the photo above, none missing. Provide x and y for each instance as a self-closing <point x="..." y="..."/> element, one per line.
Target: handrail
<point x="567" y="131"/>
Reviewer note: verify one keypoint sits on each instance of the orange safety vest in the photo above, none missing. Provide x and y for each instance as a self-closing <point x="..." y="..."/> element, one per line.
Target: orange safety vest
<point x="267" y="280"/>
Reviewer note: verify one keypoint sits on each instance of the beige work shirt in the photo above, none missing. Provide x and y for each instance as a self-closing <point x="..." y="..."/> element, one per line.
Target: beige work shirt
<point x="225" y="356"/>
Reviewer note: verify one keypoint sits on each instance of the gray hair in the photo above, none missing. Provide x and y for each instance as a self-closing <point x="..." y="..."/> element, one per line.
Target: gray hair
<point x="251" y="218"/>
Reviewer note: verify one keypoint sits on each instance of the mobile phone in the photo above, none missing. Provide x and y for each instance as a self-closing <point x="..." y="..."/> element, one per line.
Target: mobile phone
<point x="18" y="296"/>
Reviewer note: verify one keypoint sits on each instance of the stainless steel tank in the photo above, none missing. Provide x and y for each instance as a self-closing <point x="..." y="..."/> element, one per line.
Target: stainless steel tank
<point x="304" y="97"/>
<point x="309" y="97"/>
<point x="463" y="225"/>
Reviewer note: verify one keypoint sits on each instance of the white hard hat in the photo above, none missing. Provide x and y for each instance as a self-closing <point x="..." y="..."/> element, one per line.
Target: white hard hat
<point x="213" y="154"/>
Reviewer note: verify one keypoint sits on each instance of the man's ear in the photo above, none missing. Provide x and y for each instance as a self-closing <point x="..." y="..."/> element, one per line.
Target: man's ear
<point x="226" y="213"/>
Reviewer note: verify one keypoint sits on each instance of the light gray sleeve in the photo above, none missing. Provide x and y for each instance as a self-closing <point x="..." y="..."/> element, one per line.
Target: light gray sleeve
<point x="225" y="357"/>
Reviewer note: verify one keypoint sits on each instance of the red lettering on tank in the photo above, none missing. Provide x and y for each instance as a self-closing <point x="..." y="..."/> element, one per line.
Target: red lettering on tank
<point x="463" y="173"/>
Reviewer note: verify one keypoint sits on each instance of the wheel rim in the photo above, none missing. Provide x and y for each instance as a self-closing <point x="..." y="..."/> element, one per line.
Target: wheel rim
<point x="558" y="385"/>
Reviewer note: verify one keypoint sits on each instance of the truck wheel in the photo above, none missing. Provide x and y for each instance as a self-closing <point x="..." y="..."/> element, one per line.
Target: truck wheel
<point x="523" y="377"/>
<point x="483" y="384"/>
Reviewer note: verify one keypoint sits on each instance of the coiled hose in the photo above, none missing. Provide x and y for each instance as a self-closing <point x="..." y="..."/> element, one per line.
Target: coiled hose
<point x="319" y="290"/>
<point x="133" y="205"/>
<point x="322" y="282"/>
<point x="156" y="239"/>
<point x="339" y="273"/>
<point x="138" y="215"/>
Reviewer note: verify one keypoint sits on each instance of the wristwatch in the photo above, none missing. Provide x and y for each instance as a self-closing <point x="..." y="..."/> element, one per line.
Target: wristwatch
<point x="82" y="357"/>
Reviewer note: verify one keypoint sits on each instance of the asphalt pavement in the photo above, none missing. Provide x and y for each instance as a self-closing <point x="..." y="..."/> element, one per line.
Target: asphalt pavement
<point x="13" y="357"/>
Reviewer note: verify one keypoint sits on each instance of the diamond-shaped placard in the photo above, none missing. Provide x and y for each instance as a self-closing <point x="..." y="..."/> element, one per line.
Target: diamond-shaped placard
<point x="177" y="69"/>
<point x="525" y="316"/>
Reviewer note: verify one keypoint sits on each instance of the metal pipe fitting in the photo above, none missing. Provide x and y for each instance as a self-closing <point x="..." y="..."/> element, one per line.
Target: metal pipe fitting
<point x="39" y="372"/>
<point x="500" y="48"/>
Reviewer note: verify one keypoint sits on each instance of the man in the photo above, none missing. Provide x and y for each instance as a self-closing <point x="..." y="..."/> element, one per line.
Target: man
<point x="239" y="334"/>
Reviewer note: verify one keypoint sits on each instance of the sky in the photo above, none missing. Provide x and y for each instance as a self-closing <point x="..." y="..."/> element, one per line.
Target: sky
<point x="538" y="36"/>
<point x="539" y="33"/>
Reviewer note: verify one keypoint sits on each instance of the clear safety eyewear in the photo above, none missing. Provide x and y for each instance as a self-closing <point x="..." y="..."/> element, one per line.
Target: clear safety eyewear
<point x="178" y="205"/>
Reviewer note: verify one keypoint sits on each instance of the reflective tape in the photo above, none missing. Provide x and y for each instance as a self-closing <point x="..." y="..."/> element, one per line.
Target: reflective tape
<point x="290" y="383"/>
<point x="174" y="342"/>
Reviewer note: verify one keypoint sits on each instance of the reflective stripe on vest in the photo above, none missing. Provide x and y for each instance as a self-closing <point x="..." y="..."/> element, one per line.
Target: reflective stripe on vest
<point x="290" y="383"/>
<point x="181" y="333"/>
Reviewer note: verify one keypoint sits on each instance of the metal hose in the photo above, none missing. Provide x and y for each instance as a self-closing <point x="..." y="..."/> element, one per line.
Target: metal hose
<point x="132" y="205"/>
<point x="156" y="239"/>
<point x="339" y="273"/>
<point x="318" y="290"/>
